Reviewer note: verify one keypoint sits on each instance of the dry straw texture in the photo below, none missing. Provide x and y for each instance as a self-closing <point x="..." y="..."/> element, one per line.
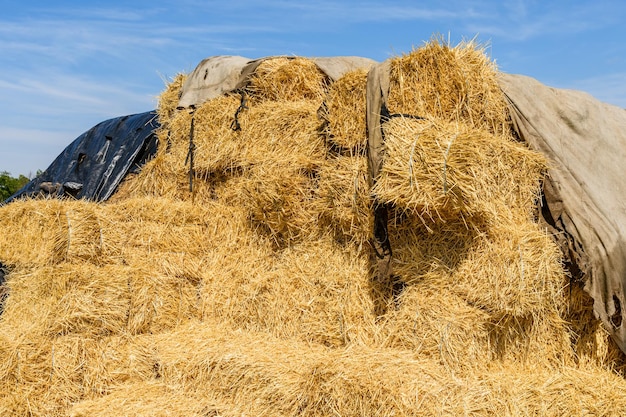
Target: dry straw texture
<point x="449" y="83"/>
<point x="344" y="112"/>
<point x="441" y="170"/>
<point x="253" y="293"/>
<point x="286" y="79"/>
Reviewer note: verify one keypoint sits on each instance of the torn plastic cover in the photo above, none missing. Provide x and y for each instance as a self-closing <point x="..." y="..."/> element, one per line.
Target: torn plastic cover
<point x="95" y="163"/>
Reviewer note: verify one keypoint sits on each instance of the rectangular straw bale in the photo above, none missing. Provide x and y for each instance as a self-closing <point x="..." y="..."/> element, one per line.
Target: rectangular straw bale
<point x="82" y="234"/>
<point x="286" y="376"/>
<point x="320" y="290"/>
<point x="216" y="143"/>
<point x="312" y="291"/>
<point x="439" y="325"/>
<point x="160" y="301"/>
<point x="283" y="131"/>
<point x="591" y="342"/>
<point x="69" y="299"/>
<point x="343" y="201"/>
<point x="425" y="251"/>
<point x="516" y="270"/>
<point x="278" y="202"/>
<point x="282" y="79"/>
<point x="158" y="399"/>
<point x="40" y="376"/>
<point x="29" y="230"/>
<point x="450" y="83"/>
<point x="159" y="225"/>
<point x="45" y="376"/>
<point x="283" y="152"/>
<point x="344" y="112"/>
<point x="216" y="149"/>
<point x="539" y="340"/>
<point x="110" y="362"/>
<point x="439" y="170"/>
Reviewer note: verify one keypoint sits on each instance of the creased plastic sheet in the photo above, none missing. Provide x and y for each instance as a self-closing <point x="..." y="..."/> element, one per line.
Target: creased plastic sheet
<point x="94" y="164"/>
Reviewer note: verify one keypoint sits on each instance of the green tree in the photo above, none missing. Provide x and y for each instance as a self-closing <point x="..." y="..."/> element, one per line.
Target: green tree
<point x="9" y="185"/>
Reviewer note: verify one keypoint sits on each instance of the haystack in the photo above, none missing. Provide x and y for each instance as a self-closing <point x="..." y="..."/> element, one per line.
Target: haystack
<point x="233" y="274"/>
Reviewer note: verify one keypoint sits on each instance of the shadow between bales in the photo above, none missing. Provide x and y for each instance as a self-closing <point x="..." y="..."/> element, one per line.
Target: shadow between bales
<point x="420" y="251"/>
<point x="4" y="289"/>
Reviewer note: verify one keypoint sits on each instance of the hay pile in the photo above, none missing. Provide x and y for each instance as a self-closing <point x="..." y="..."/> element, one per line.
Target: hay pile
<point x="242" y="285"/>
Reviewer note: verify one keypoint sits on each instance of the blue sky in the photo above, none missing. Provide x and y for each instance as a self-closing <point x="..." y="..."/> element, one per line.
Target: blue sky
<point x="68" y="65"/>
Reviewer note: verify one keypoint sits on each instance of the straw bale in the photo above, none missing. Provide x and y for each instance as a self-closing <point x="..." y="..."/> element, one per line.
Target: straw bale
<point x="287" y="377"/>
<point x="157" y="399"/>
<point x="53" y="231"/>
<point x="313" y="291"/>
<point x="516" y="270"/>
<point x="158" y="226"/>
<point x="39" y="376"/>
<point x="28" y="232"/>
<point x="592" y="343"/>
<point x="283" y="151"/>
<point x="83" y="234"/>
<point x="216" y="143"/>
<point x="482" y="265"/>
<point x="277" y="199"/>
<point x="168" y="99"/>
<point x="439" y="325"/>
<point x="343" y="202"/>
<point x="431" y="251"/>
<point x="45" y="376"/>
<point x="160" y="301"/>
<point x="281" y="78"/>
<point x="439" y="170"/>
<point x="110" y="362"/>
<point x="283" y="131"/>
<point x="344" y="112"/>
<point x="541" y="340"/>
<point x="68" y="299"/>
<point x="281" y="134"/>
<point x="512" y="391"/>
<point x="450" y="83"/>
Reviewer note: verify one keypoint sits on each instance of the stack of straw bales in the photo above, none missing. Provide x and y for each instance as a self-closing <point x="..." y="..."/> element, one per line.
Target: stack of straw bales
<point x="252" y="293"/>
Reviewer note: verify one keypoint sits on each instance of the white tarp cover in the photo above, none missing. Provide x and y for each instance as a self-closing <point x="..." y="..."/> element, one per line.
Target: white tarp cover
<point x="585" y="142"/>
<point x="220" y="74"/>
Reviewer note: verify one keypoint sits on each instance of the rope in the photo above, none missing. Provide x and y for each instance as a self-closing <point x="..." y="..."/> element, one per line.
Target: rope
<point x="192" y="147"/>
<point x="235" y="125"/>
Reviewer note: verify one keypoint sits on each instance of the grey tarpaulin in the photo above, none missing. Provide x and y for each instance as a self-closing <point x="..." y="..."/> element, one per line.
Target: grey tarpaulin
<point x="94" y="164"/>
<point x="377" y="93"/>
<point x="585" y="142"/>
<point x="217" y="75"/>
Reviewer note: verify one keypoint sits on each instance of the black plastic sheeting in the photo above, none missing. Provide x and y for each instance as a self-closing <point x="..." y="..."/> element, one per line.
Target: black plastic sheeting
<point x="95" y="163"/>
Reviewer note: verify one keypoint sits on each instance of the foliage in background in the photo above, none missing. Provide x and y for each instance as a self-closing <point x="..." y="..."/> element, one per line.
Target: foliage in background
<point x="9" y="185"/>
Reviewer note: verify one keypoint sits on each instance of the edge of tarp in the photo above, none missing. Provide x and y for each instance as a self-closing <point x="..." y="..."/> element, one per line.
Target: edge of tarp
<point x="221" y="74"/>
<point x="94" y="164"/>
<point x="584" y="140"/>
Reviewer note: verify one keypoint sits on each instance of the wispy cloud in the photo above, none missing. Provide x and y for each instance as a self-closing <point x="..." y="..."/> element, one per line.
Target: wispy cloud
<point x="523" y="20"/>
<point x="610" y="88"/>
